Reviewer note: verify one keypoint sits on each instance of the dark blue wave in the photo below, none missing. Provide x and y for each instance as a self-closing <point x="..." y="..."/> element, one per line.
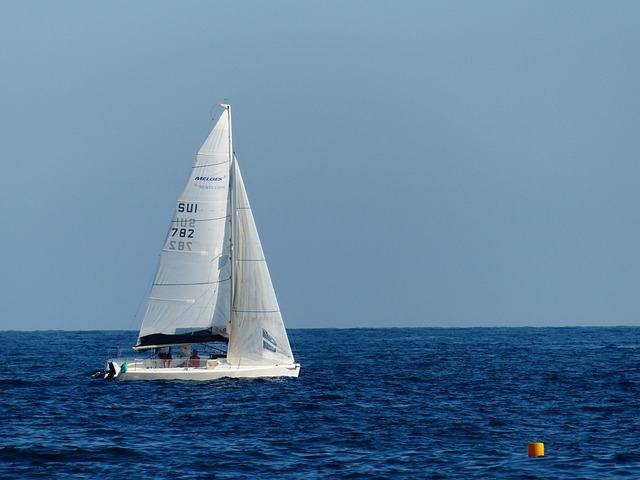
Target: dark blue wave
<point x="388" y="403"/>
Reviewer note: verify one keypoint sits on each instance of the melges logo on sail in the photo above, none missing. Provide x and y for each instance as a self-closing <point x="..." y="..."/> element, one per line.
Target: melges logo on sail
<point x="214" y="185"/>
<point x="210" y="179"/>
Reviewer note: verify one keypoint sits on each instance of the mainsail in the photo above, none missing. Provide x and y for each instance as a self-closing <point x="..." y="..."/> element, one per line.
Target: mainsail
<point x="189" y="300"/>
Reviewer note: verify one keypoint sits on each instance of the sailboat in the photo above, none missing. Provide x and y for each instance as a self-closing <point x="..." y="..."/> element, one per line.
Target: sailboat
<point x="212" y="311"/>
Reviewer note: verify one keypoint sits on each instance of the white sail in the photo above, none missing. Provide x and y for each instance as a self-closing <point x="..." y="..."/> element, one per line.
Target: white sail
<point x="189" y="300"/>
<point x="258" y="335"/>
<point x="212" y="285"/>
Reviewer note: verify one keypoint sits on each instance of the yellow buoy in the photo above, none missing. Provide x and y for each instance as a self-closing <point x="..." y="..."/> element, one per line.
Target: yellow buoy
<point x="536" y="449"/>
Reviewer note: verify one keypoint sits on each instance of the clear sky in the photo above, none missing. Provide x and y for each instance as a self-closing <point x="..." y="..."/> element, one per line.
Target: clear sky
<point x="420" y="163"/>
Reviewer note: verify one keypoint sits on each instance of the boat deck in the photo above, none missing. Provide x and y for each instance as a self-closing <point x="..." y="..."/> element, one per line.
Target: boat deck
<point x="186" y="369"/>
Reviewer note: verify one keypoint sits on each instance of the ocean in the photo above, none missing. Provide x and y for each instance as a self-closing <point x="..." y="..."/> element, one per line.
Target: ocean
<point x="369" y="403"/>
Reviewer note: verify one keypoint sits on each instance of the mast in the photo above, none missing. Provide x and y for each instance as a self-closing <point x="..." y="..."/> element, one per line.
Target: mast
<point x="232" y="202"/>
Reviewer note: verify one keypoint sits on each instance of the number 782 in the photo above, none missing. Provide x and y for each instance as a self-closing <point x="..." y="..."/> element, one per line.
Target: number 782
<point x="182" y="246"/>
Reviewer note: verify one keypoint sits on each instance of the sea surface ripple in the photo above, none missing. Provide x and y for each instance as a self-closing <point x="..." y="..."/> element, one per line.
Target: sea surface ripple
<point x="369" y="403"/>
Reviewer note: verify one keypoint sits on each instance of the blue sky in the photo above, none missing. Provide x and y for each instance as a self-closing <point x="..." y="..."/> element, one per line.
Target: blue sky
<point x="409" y="163"/>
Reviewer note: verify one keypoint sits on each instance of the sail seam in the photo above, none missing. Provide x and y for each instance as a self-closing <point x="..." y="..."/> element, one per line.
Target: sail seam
<point x="256" y="311"/>
<point x="204" y="202"/>
<point x="188" y="284"/>
<point x="210" y="164"/>
<point x="179" y="220"/>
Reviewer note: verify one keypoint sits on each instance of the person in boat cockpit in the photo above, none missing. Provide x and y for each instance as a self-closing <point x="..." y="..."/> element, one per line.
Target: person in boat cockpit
<point x="194" y="360"/>
<point x="165" y="354"/>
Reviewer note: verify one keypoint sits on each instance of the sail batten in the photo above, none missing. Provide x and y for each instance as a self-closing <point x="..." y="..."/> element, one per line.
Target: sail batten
<point x="188" y="284"/>
<point x="202" y="155"/>
<point x="256" y="311"/>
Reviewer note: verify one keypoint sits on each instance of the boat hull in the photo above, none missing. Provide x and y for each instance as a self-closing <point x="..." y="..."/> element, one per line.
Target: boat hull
<point x="211" y="370"/>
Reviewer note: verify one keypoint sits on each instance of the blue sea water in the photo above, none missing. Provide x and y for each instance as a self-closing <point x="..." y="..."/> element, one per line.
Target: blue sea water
<point x="369" y="403"/>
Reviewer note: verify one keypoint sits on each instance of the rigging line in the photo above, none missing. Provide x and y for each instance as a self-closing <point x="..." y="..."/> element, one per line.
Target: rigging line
<point x="294" y="347"/>
<point x="217" y="108"/>
<point x="215" y="112"/>
<point x="145" y="295"/>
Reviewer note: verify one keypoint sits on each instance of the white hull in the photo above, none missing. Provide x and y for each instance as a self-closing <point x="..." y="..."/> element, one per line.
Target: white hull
<point x="138" y="369"/>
